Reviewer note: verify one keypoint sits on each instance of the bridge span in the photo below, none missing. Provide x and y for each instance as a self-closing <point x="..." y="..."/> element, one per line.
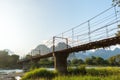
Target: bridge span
<point x="98" y="32"/>
<point x="61" y="56"/>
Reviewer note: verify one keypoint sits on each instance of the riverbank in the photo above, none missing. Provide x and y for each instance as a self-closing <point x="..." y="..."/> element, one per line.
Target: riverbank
<point x="11" y="76"/>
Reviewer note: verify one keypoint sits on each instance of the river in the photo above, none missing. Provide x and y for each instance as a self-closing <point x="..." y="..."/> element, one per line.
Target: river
<point x="7" y="74"/>
<point x="13" y="71"/>
<point x="3" y="71"/>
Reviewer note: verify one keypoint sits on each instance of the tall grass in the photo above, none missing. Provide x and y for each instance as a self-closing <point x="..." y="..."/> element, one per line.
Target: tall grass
<point x="115" y="77"/>
<point x="80" y="73"/>
<point x="39" y="73"/>
<point x="105" y="71"/>
<point x="77" y="71"/>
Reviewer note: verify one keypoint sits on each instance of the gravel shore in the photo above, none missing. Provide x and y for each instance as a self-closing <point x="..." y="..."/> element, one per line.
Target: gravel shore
<point x="11" y="76"/>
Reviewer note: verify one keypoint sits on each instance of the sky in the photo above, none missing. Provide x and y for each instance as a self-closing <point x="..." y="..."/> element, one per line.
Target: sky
<point x="24" y="24"/>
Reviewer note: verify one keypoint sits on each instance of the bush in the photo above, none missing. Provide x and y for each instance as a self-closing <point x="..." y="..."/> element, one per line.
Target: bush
<point x="76" y="71"/>
<point x="39" y="73"/>
<point x="98" y="72"/>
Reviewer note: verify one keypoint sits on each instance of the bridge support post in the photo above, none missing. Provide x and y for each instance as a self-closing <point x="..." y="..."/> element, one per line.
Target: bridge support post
<point x="60" y="62"/>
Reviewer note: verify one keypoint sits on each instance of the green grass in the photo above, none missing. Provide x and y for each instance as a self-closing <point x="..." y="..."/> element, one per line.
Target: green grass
<point x="39" y="73"/>
<point x="102" y="73"/>
<point x="79" y="70"/>
<point x="114" y="77"/>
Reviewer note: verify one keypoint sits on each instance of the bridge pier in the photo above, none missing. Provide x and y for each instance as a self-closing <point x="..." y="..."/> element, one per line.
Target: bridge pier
<point x="60" y="62"/>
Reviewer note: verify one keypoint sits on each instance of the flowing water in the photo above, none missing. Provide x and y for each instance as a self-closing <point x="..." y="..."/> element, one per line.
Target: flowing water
<point x="10" y="71"/>
<point x="5" y="74"/>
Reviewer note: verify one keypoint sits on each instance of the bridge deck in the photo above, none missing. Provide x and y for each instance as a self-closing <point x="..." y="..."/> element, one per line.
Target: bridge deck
<point x="92" y="45"/>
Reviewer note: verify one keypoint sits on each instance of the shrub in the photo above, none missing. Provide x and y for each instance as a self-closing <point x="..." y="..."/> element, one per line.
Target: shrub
<point x="98" y="72"/>
<point x="76" y="71"/>
<point x="39" y="73"/>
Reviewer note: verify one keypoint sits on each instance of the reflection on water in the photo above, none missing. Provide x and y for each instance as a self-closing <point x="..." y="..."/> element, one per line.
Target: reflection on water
<point x="5" y="73"/>
<point x="51" y="69"/>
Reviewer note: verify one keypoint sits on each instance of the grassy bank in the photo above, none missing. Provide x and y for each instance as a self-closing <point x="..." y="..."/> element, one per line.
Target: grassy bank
<point x="81" y="73"/>
<point x="88" y="77"/>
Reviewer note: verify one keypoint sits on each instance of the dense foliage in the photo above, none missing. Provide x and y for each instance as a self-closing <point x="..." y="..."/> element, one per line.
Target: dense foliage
<point x="91" y="61"/>
<point x="8" y="61"/>
<point x="39" y="73"/>
<point x="96" y="61"/>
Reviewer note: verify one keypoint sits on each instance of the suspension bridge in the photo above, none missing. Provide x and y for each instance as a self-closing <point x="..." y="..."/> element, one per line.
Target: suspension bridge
<point x="98" y="32"/>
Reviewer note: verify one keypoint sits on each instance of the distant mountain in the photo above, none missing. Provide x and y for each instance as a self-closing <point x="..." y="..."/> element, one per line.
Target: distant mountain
<point x="60" y="46"/>
<point x="100" y="52"/>
<point x="43" y="49"/>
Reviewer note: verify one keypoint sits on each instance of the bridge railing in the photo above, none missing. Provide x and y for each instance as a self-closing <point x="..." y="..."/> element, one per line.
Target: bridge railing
<point x="101" y="26"/>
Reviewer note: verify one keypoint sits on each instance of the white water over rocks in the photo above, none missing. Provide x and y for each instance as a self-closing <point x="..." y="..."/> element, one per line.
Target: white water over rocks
<point x="11" y="74"/>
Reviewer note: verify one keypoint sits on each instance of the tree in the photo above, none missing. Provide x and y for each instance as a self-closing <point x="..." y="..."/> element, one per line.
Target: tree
<point x="118" y="33"/>
<point x="116" y="2"/>
<point x="95" y="61"/>
<point x="8" y="61"/>
<point x="77" y="62"/>
<point x="99" y="60"/>
<point x="28" y="56"/>
<point x="114" y="60"/>
<point x="4" y="59"/>
<point x="46" y="62"/>
<point x="89" y="61"/>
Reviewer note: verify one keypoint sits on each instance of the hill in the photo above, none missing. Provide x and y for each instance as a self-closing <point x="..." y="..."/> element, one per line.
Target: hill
<point x="100" y="52"/>
<point x="104" y="53"/>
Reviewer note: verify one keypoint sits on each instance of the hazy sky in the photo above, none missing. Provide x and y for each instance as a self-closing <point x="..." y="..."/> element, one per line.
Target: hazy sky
<point x="24" y="24"/>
